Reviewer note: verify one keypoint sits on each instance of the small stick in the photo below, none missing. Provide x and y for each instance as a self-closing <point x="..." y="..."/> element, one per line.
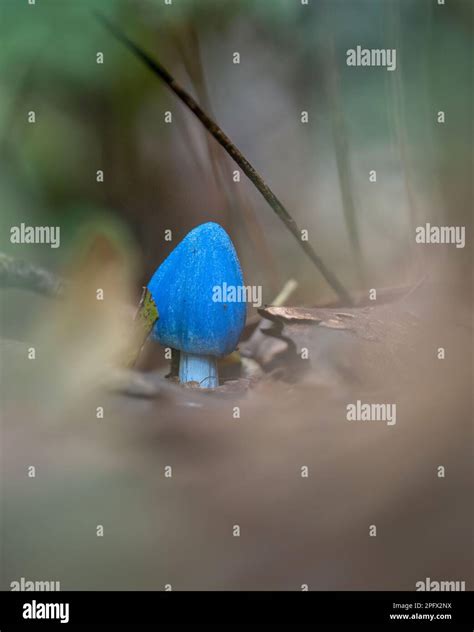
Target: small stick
<point x="285" y="293"/>
<point x="232" y="150"/>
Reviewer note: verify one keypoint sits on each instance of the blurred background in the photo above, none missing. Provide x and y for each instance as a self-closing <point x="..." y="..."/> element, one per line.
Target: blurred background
<point x="160" y="176"/>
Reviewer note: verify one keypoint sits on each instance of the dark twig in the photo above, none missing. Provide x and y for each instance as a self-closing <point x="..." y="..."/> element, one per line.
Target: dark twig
<point x="236" y="200"/>
<point x="232" y="150"/>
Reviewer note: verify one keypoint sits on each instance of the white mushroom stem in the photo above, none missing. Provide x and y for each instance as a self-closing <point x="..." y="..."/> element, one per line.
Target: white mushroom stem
<point x="198" y="368"/>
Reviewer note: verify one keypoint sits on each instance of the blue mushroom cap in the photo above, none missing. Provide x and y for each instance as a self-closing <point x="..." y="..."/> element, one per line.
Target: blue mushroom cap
<point x="183" y="288"/>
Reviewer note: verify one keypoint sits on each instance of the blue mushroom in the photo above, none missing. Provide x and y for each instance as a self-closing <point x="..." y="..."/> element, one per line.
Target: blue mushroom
<point x="187" y="289"/>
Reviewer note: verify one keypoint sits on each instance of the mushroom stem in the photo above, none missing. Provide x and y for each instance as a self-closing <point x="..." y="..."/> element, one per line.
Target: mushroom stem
<point x="198" y="368"/>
